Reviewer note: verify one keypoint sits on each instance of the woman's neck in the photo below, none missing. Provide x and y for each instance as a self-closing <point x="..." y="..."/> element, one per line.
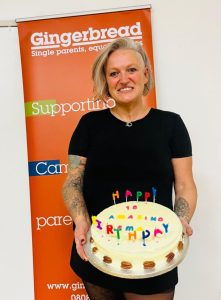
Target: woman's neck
<point x="130" y="113"/>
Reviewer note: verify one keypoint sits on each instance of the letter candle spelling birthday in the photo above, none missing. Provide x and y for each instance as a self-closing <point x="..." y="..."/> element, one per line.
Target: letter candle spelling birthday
<point x="94" y="218"/>
<point x="145" y="235"/>
<point x="118" y="232"/>
<point x="109" y="228"/>
<point x="132" y="235"/>
<point x="99" y="224"/>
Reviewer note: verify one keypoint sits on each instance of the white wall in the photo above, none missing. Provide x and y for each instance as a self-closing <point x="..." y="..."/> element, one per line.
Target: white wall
<point x="187" y="47"/>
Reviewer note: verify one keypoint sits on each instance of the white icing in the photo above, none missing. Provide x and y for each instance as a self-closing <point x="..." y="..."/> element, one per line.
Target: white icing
<point x="146" y="216"/>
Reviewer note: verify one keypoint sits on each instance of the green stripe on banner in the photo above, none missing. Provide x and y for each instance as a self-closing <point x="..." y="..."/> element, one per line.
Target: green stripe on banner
<point x="38" y="108"/>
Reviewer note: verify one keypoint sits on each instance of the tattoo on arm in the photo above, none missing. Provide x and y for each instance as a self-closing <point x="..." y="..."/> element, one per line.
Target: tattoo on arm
<point x="74" y="162"/>
<point x="182" y="209"/>
<point x="73" y="187"/>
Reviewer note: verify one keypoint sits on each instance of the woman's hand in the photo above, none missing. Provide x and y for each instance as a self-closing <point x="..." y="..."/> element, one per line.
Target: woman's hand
<point x="74" y="201"/>
<point x="80" y="234"/>
<point x="187" y="229"/>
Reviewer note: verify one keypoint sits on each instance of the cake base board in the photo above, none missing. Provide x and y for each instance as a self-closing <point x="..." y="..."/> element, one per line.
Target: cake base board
<point x="138" y="272"/>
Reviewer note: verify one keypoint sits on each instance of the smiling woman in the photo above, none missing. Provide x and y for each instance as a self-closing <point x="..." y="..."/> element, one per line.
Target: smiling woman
<point x="126" y="76"/>
<point x="99" y="73"/>
<point x="126" y="146"/>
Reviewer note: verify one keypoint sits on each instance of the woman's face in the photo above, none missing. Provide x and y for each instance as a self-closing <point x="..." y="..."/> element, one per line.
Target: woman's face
<point x="126" y="76"/>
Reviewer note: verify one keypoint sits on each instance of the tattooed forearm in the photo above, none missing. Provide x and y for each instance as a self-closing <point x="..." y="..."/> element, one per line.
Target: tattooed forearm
<point x="73" y="188"/>
<point x="182" y="209"/>
<point x="78" y="207"/>
<point x="74" y="182"/>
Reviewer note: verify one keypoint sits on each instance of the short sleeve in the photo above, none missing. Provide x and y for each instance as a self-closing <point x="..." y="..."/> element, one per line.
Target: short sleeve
<point x="180" y="143"/>
<point x="80" y="139"/>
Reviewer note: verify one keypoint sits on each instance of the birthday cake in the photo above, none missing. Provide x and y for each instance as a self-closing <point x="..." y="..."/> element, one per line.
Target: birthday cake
<point x="140" y="236"/>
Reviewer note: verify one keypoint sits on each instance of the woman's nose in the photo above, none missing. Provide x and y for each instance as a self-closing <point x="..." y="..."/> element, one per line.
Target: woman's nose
<point x="123" y="77"/>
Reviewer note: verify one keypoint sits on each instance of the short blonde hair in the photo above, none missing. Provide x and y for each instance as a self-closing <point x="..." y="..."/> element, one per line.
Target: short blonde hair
<point x="99" y="66"/>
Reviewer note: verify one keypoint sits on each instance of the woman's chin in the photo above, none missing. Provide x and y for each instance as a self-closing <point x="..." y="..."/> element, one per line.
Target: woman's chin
<point x="126" y="101"/>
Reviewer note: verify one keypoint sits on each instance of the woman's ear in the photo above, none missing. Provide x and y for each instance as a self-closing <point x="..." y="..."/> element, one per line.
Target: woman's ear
<point x="146" y="74"/>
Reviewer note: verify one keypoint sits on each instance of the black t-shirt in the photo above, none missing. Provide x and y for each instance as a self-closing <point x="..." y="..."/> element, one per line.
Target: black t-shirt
<point x="135" y="159"/>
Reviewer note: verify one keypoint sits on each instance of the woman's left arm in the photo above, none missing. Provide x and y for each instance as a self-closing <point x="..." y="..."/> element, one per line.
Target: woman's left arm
<point x="185" y="191"/>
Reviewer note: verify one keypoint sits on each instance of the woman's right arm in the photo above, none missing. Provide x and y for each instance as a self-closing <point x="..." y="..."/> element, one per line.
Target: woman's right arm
<point x="74" y="201"/>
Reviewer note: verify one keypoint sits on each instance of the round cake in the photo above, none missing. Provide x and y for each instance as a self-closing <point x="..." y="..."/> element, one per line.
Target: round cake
<point x="135" y="236"/>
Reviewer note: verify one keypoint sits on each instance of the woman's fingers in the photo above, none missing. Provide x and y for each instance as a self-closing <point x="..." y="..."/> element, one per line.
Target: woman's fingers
<point x="187" y="229"/>
<point x="80" y="242"/>
<point x="81" y="239"/>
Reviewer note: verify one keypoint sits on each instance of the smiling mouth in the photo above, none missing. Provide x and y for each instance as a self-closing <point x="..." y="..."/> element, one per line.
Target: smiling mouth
<point x="127" y="89"/>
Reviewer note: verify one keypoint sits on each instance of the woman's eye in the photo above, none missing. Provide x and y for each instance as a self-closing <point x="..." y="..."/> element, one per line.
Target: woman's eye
<point x="113" y="74"/>
<point x="132" y="70"/>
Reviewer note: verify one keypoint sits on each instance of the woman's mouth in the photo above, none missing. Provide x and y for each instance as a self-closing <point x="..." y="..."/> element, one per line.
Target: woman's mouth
<point x="125" y="89"/>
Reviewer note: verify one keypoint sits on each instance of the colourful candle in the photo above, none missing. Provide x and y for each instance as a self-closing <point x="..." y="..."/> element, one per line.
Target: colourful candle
<point x="128" y="193"/>
<point x="145" y="235"/>
<point x="166" y="227"/>
<point x="118" y="232"/>
<point x="146" y="196"/>
<point x="154" y="191"/>
<point x="93" y="218"/>
<point x="139" y="194"/>
<point x="109" y="229"/>
<point x="157" y="231"/>
<point x="115" y="195"/>
<point x="132" y="235"/>
<point x="99" y="224"/>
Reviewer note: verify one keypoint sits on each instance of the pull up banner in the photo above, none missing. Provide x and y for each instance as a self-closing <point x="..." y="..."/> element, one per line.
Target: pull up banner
<point x="57" y="55"/>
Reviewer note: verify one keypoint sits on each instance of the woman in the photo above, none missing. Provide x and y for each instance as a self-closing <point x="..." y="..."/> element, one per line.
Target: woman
<point x="127" y="146"/>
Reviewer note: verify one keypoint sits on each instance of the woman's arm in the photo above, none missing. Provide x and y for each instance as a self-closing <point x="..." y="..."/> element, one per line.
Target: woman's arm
<point x="74" y="201"/>
<point x="185" y="191"/>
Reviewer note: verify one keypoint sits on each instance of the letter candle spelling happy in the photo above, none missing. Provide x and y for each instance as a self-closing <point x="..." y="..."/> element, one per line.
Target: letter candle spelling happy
<point x="154" y="194"/>
<point x="115" y="195"/>
<point x="128" y="193"/>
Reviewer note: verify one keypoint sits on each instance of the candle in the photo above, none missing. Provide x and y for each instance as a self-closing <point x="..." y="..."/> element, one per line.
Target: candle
<point x="139" y="194"/>
<point x="94" y="218"/>
<point x="145" y="235"/>
<point x="166" y="227"/>
<point x="99" y="224"/>
<point x="109" y="228"/>
<point x="118" y="232"/>
<point x="115" y="195"/>
<point x="127" y="193"/>
<point x="154" y="191"/>
<point x="146" y="196"/>
<point x="157" y="231"/>
<point x="132" y="235"/>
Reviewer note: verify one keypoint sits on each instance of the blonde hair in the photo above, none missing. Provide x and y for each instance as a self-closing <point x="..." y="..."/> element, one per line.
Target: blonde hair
<point x="99" y="66"/>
